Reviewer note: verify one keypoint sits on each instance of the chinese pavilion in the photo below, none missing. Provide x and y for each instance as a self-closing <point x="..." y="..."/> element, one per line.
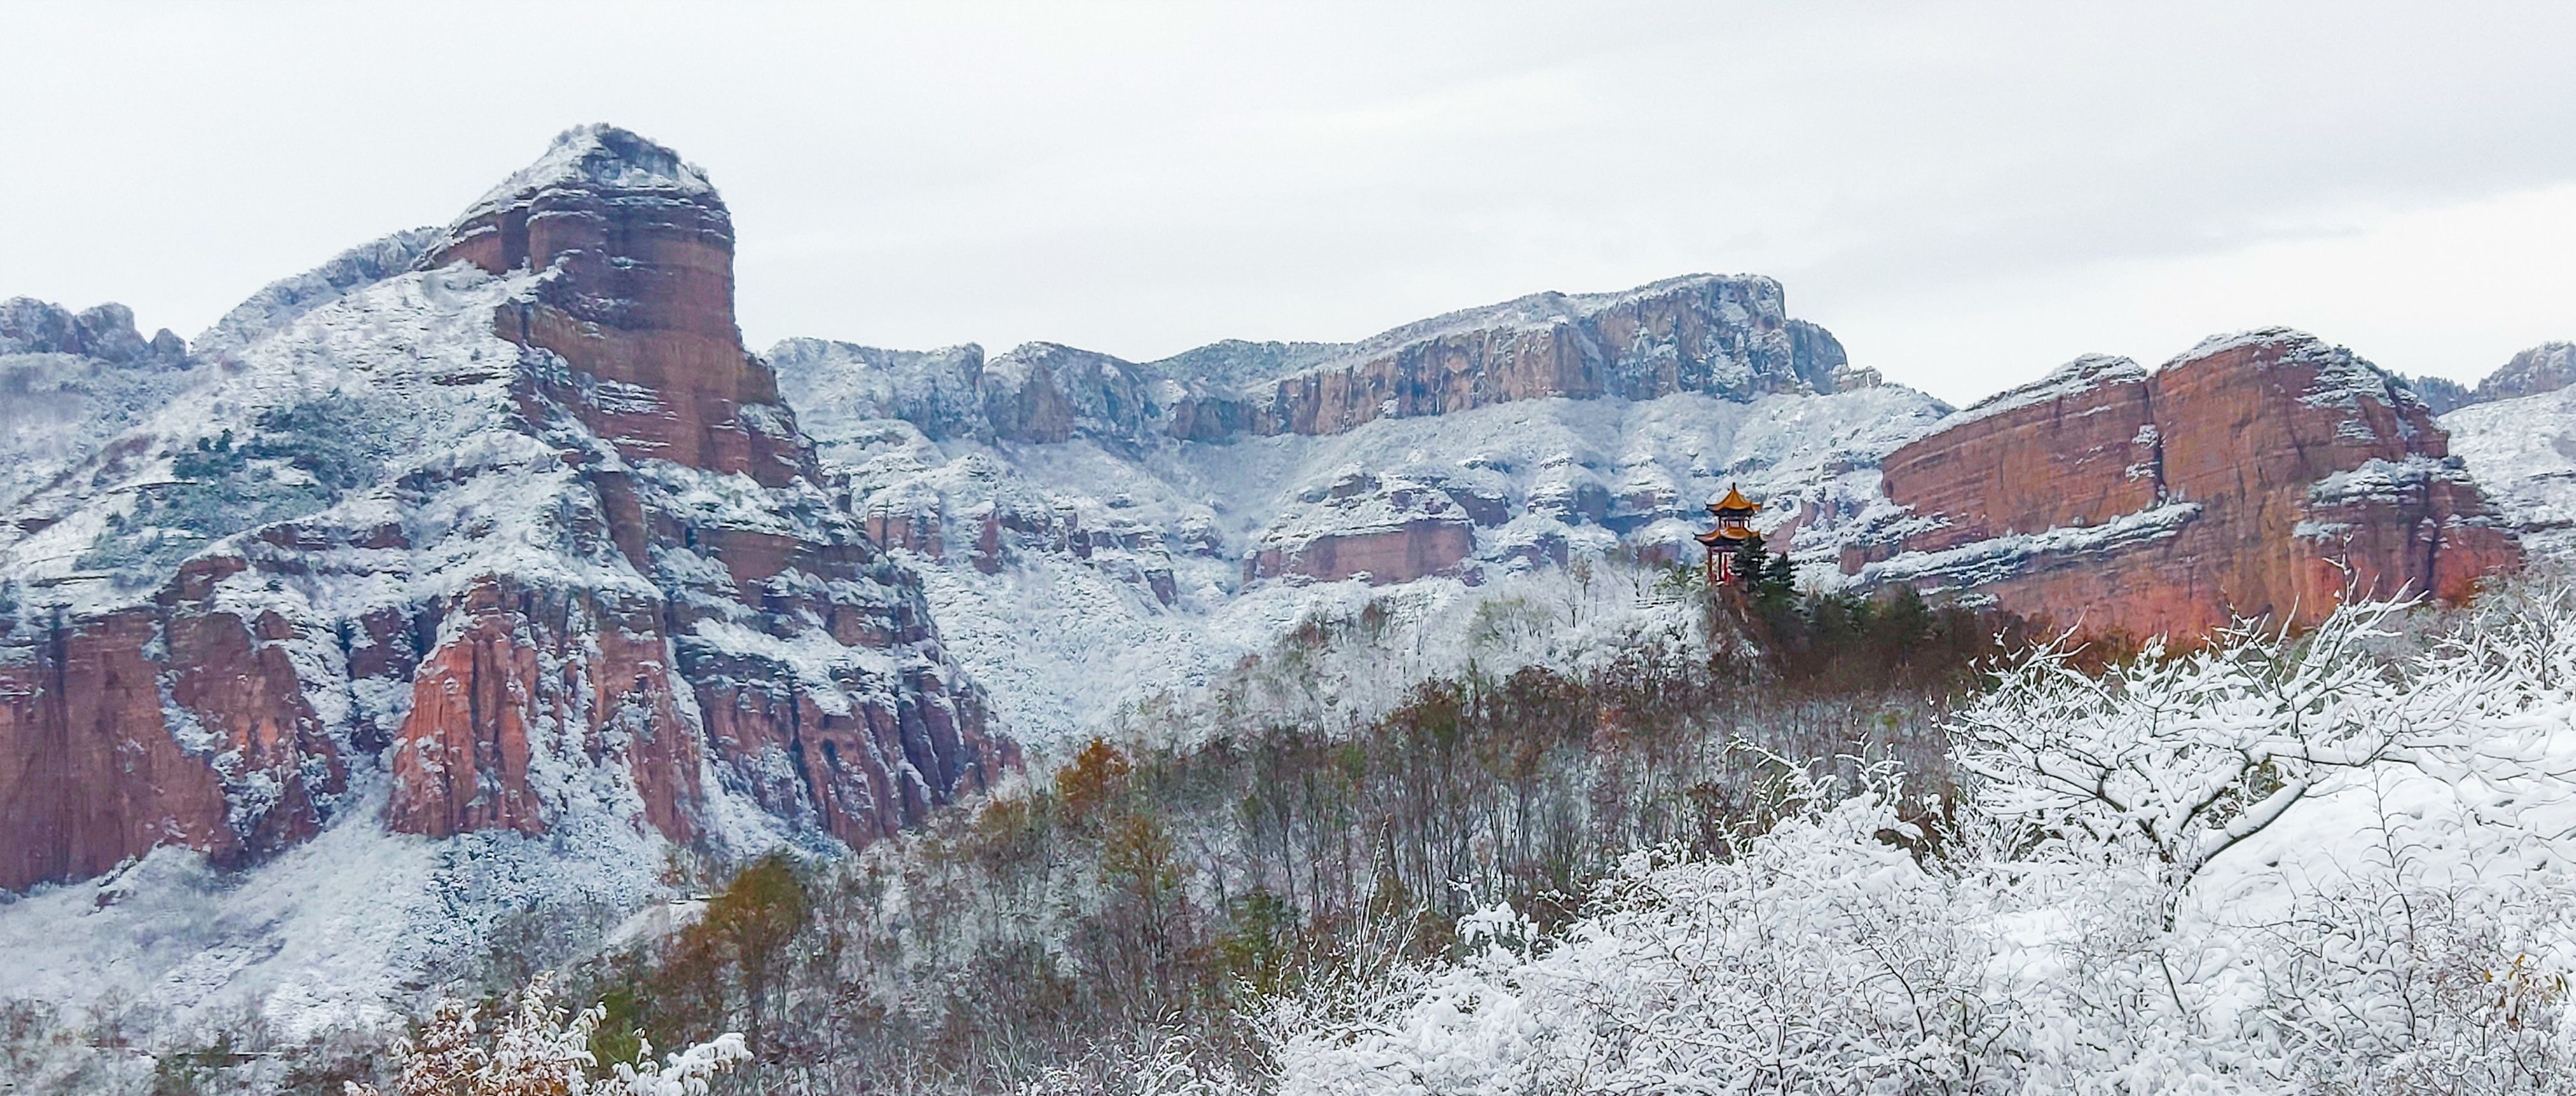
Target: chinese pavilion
<point x="1734" y="527"/>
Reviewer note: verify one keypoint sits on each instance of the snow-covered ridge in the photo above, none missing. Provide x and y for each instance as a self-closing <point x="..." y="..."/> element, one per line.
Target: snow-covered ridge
<point x="2522" y="452"/>
<point x="1548" y="309"/>
<point x="2547" y="367"/>
<point x="283" y="300"/>
<point x="2085" y="373"/>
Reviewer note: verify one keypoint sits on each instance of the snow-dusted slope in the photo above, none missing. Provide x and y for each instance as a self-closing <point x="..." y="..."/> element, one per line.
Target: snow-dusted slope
<point x="401" y="377"/>
<point x="2522" y="452"/>
<point x="69" y="382"/>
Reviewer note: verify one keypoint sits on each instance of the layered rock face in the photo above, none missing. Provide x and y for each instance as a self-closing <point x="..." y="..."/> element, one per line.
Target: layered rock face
<point x="636" y="300"/>
<point x="520" y="539"/>
<point x="1382" y="528"/>
<point x="2262" y="475"/>
<point x="94" y="768"/>
<point x="1725" y="336"/>
<point x="1728" y="337"/>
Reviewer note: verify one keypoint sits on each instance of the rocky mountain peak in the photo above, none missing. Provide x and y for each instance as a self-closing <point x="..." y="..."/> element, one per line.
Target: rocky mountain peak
<point x="2547" y="367"/>
<point x="105" y="332"/>
<point x="598" y="156"/>
<point x="634" y="256"/>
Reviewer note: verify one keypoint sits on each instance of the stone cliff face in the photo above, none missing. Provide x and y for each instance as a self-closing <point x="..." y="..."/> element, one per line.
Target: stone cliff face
<point x="1728" y="337"/>
<point x="635" y="299"/>
<point x="1725" y="336"/>
<point x="522" y="538"/>
<point x="93" y="770"/>
<point x="2259" y="475"/>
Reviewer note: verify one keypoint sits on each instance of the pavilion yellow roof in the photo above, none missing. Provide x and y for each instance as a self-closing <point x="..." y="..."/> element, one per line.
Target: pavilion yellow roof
<point x="1734" y="501"/>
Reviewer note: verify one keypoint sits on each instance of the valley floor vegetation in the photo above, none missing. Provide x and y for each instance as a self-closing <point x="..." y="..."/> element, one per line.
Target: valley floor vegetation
<point x="1607" y="831"/>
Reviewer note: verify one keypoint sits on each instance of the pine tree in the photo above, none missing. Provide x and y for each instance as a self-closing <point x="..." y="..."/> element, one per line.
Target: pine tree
<point x="1779" y="581"/>
<point x="1749" y="562"/>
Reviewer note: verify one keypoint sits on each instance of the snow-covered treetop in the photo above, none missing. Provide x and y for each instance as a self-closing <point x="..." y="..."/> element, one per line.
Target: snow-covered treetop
<point x="599" y="155"/>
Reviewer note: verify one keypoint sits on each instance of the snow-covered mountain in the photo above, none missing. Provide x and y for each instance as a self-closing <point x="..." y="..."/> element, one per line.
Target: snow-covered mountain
<point x="71" y="381"/>
<point x="493" y="534"/>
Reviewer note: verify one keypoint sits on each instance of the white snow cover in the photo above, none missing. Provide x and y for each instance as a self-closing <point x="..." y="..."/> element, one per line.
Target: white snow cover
<point x="286" y="298"/>
<point x="2273" y="867"/>
<point x="1995" y="558"/>
<point x="344" y="931"/>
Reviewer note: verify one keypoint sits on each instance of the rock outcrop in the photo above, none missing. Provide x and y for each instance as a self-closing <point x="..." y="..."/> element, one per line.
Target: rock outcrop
<point x="2547" y="367"/>
<point x="2260" y="475"/>
<point x="107" y="333"/>
<point x="635" y="298"/>
<point x="1382" y="528"/>
<point x="69" y="379"/>
<point x="501" y="521"/>
<point x="1728" y="337"/>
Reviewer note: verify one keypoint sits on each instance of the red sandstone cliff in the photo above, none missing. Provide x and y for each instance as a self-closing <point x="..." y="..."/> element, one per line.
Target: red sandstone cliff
<point x="592" y="570"/>
<point x="2261" y="475"/>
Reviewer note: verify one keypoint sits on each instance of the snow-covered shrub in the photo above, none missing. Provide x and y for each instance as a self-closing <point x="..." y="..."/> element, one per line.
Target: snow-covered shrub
<point x="301" y="459"/>
<point x="2285" y="864"/>
<point x="538" y="1050"/>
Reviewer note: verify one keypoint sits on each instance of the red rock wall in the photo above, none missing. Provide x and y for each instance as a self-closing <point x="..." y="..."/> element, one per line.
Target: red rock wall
<point x="526" y="673"/>
<point x="638" y="302"/>
<point x="2078" y="459"/>
<point x="1423" y="546"/>
<point x="2259" y="435"/>
<point x="92" y="772"/>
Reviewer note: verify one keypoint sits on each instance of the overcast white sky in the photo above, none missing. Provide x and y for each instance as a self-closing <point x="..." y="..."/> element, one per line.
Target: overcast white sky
<point x="1967" y="195"/>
